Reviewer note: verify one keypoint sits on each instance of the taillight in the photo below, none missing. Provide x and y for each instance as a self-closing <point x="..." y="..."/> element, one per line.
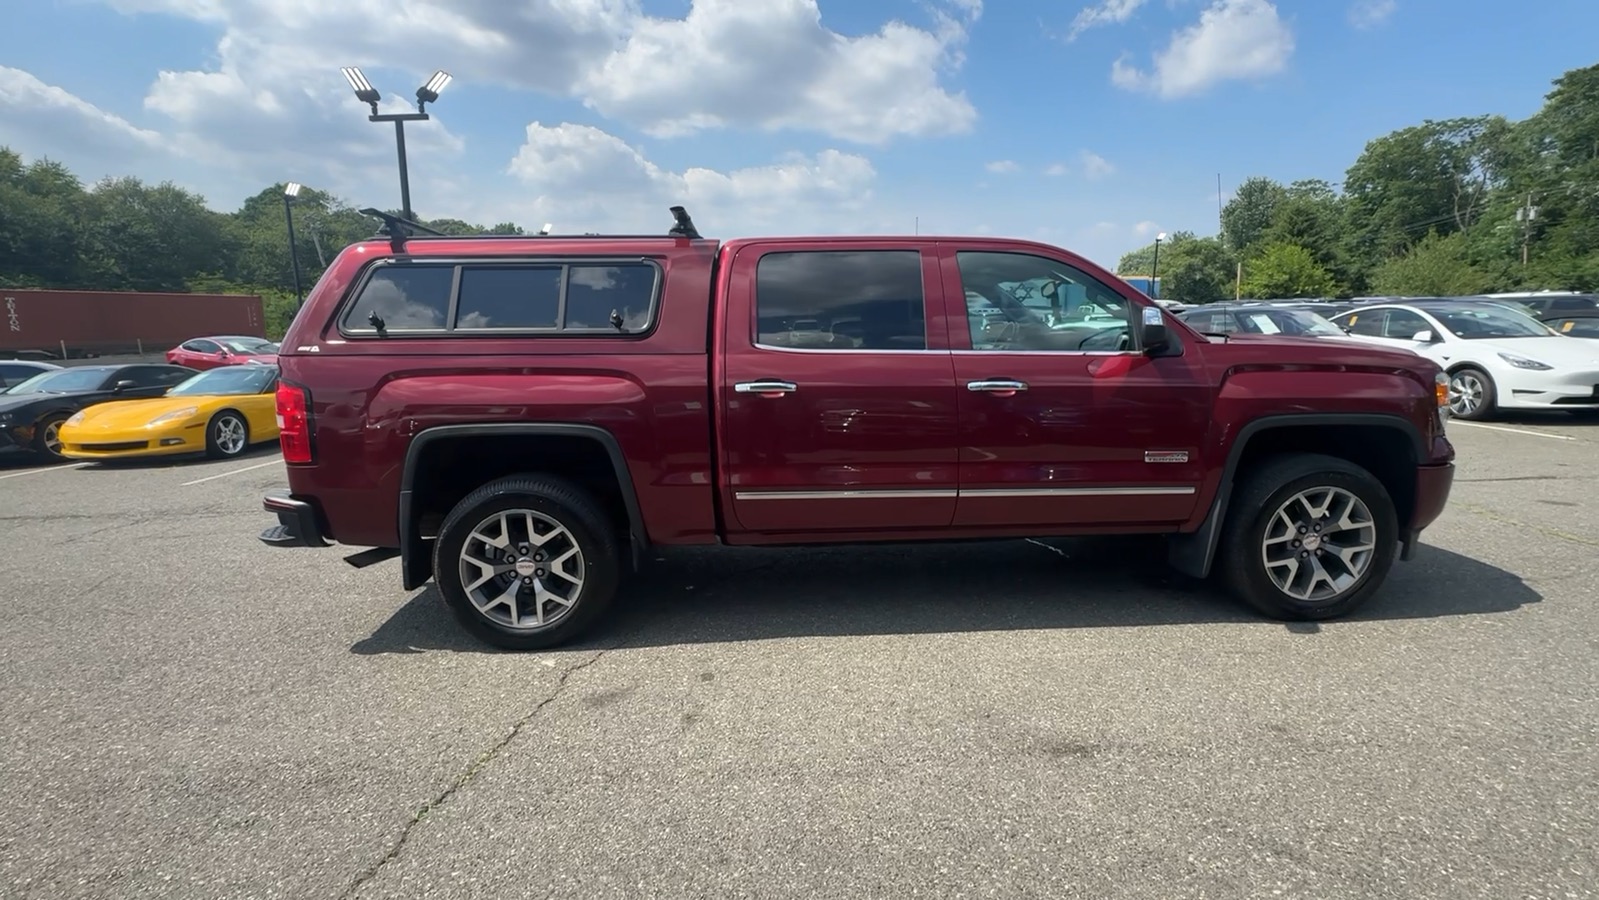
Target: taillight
<point x="294" y="423"/>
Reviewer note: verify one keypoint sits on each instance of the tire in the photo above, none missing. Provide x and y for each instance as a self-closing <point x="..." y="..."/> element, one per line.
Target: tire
<point x="47" y="438"/>
<point x="227" y="435"/>
<point x="555" y="504"/>
<point x="1278" y="484"/>
<point x="1459" y="381"/>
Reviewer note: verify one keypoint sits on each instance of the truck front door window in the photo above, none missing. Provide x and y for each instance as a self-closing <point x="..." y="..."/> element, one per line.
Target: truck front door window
<point x="1042" y="305"/>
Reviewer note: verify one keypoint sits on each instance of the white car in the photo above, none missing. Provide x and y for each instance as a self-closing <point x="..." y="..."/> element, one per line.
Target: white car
<point x="1497" y="358"/>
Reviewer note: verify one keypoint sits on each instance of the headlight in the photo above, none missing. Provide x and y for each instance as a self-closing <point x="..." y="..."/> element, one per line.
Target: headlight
<point x="5" y="418"/>
<point x="77" y="418"/>
<point x="1522" y="362"/>
<point x="173" y="416"/>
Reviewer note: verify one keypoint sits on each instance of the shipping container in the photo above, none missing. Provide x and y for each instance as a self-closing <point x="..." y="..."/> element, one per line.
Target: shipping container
<point x="75" y="324"/>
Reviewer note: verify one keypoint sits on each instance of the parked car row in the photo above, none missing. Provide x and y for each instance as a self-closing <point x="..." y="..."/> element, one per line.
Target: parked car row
<point x="140" y="410"/>
<point x="1498" y="353"/>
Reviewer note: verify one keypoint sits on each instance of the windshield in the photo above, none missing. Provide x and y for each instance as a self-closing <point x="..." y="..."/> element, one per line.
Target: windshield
<point x="248" y="345"/>
<point x="1285" y="321"/>
<point x="62" y="381"/>
<point x="1488" y="322"/>
<point x="227" y="380"/>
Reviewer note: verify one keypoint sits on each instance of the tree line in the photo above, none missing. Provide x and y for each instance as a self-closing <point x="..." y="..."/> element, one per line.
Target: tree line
<point x="1457" y="206"/>
<point x="121" y="234"/>
<point x="1444" y="208"/>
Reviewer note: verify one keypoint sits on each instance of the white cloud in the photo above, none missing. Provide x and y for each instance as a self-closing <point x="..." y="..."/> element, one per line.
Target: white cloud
<point x="1371" y="13"/>
<point x="1146" y="228"/>
<point x="585" y="179"/>
<point x="1002" y="166"/>
<point x="1056" y="170"/>
<point x="1095" y="166"/>
<point x="768" y="64"/>
<point x="1108" y="12"/>
<point x="43" y="120"/>
<point x="1233" y="40"/>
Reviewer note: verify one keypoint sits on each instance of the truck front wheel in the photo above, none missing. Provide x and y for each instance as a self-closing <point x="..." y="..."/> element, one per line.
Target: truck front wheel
<point x="527" y="562"/>
<point x="1310" y="537"/>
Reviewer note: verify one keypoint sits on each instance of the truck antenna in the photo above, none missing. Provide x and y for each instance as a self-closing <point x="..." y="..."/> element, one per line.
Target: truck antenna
<point x="685" y="225"/>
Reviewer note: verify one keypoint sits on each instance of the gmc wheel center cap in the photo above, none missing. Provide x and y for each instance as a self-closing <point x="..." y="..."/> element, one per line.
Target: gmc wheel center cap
<point x="525" y="567"/>
<point x="1311" y="542"/>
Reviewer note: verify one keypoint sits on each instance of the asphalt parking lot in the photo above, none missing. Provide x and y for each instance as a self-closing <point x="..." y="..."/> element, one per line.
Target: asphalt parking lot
<point x="188" y="713"/>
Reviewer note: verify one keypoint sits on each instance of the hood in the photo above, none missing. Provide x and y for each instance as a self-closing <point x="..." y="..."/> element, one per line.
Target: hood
<point x="1559" y="351"/>
<point x="122" y="415"/>
<point x="1328" y="350"/>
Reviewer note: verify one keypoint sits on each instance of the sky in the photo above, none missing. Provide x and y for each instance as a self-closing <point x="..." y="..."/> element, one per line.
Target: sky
<point x="1092" y="126"/>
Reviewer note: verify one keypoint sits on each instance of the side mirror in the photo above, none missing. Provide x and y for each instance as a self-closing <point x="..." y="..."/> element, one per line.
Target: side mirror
<point x="123" y="385"/>
<point x="1424" y="337"/>
<point x="1152" y="334"/>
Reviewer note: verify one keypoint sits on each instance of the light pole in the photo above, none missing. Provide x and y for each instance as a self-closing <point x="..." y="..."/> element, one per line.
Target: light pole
<point x="427" y="93"/>
<point x="291" y="191"/>
<point x="1154" y="268"/>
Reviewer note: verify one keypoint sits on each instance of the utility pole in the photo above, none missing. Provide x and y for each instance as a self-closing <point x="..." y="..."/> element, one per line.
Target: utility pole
<point x="1525" y="215"/>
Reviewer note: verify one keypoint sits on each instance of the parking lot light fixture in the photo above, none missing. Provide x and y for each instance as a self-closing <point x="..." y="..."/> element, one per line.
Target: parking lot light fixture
<point x="364" y="91"/>
<point x="290" y="192"/>
<point x="427" y="93"/>
<point x="430" y="92"/>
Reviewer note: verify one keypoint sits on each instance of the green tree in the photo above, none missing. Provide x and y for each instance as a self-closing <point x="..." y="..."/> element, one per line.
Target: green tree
<point x="1246" y="217"/>
<point x="1286" y="271"/>
<point x="1312" y="216"/>
<point x="1438" y="266"/>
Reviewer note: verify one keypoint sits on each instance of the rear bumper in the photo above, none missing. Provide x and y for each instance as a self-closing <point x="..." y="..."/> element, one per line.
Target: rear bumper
<point x="297" y="521"/>
<point x="1433" y="484"/>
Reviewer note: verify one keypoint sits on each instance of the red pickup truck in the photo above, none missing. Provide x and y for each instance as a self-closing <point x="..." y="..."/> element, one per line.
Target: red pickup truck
<point x="521" y="418"/>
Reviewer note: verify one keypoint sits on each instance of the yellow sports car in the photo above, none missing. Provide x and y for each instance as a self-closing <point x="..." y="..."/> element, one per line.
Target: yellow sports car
<point x="220" y="412"/>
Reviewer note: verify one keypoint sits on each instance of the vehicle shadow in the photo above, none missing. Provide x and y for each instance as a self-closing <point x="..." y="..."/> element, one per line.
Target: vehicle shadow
<point x="714" y="596"/>
<point x="265" y="448"/>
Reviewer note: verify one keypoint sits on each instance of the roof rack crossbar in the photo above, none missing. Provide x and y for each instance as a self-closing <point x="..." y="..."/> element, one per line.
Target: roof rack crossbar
<point x="399" y="230"/>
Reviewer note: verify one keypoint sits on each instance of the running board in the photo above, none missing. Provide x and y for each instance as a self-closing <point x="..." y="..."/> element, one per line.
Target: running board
<point x="372" y="557"/>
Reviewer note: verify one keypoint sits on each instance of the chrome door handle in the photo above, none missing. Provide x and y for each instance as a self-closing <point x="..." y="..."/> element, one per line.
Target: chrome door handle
<point x="769" y="387"/>
<point x="997" y="386"/>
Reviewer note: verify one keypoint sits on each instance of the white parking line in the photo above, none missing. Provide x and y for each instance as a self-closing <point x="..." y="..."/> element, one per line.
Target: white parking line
<point x="42" y="471"/>
<point x="272" y="462"/>
<point x="1542" y="434"/>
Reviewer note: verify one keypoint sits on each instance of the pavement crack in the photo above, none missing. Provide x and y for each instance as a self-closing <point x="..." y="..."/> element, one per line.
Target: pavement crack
<point x="466" y="776"/>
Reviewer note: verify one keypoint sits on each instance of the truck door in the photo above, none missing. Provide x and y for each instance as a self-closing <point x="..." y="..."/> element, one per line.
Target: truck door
<point x="838" y="409"/>
<point x="1064" y="422"/>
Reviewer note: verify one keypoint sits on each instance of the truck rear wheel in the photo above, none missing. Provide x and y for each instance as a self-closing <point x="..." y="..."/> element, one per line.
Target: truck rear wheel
<point x="527" y="562"/>
<point x="1310" y="537"/>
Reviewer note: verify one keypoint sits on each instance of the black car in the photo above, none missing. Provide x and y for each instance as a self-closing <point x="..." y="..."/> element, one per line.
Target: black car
<point x="15" y="371"/>
<point x="1308" y="320"/>
<point x="1575" y="324"/>
<point x="31" y="413"/>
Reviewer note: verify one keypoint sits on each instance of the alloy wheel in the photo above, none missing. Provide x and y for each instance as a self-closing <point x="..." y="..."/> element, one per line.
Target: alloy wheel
<point x="1466" y="392"/>
<point x="522" y="569"/>
<point x="230" y="435"/>
<point x="1319" y="543"/>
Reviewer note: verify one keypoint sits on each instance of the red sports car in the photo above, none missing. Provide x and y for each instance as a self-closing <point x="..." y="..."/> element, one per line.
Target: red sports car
<point x="224" y="350"/>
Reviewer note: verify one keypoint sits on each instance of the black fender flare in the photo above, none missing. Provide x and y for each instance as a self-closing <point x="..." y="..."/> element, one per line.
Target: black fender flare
<point x="1192" y="553"/>
<point x="416" y="568"/>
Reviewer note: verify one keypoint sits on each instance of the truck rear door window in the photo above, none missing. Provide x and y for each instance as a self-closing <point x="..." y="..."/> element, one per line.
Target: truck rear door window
<point x="840" y="300"/>
<point x="405" y="297"/>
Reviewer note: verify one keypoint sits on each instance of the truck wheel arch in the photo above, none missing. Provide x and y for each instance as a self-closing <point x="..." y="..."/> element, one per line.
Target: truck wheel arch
<point x="415" y="562"/>
<point x="1192" y="553"/>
